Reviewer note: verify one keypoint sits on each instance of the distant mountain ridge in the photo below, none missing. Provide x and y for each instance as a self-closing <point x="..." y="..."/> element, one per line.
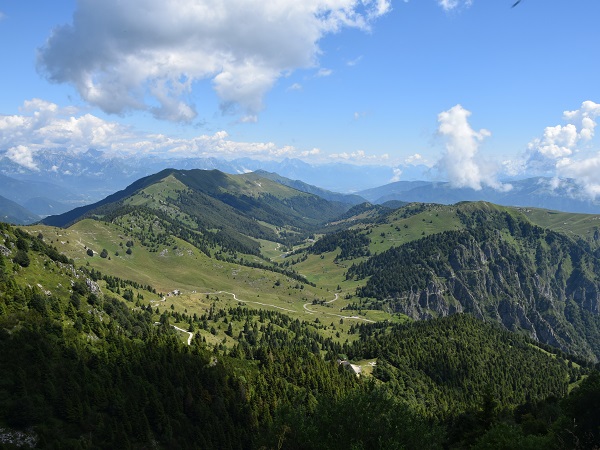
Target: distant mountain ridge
<point x="351" y="199"/>
<point x="14" y="213"/>
<point x="63" y="180"/>
<point x="537" y="192"/>
<point x="97" y="174"/>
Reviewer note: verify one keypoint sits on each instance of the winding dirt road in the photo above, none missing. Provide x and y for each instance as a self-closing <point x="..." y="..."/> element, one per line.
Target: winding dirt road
<point x="247" y="301"/>
<point x="191" y="335"/>
<point x="310" y="311"/>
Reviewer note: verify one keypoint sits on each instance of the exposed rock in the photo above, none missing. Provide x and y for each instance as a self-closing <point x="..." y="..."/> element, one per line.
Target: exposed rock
<point x="93" y="286"/>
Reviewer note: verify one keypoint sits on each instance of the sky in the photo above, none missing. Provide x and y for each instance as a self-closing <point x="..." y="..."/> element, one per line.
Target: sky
<point x="477" y="90"/>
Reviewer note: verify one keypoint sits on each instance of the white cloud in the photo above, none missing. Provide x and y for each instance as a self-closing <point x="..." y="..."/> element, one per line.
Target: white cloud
<point x="586" y="173"/>
<point x="295" y="87"/>
<point x="449" y="5"/>
<point x="313" y="152"/>
<point x="563" y="141"/>
<point x="22" y="156"/>
<point x="324" y="73"/>
<point x="566" y="151"/>
<point x="557" y="142"/>
<point x="251" y="118"/>
<point x="396" y="176"/>
<point x="354" y="62"/>
<point x="584" y="119"/>
<point x="359" y="156"/>
<point x="43" y="126"/>
<point x="147" y="54"/>
<point x="460" y="161"/>
<point x="414" y="159"/>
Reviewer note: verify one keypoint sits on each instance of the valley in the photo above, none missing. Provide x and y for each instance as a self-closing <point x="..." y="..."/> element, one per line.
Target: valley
<point x="442" y="307"/>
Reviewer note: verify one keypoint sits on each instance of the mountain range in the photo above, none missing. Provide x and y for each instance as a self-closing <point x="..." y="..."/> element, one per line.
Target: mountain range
<point x="494" y="262"/>
<point x="62" y="180"/>
<point x="201" y="308"/>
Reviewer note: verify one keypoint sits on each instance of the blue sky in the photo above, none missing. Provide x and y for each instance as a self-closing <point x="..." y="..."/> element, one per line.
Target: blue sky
<point x="476" y="89"/>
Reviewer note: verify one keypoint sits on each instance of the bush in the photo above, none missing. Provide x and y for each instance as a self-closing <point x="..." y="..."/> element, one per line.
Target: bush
<point x="21" y="258"/>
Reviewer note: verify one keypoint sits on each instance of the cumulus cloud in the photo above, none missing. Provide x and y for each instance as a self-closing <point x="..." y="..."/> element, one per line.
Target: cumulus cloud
<point x="559" y="144"/>
<point x="22" y="156"/>
<point x="566" y="151"/>
<point x="561" y="141"/>
<point x="460" y="161"/>
<point x="43" y="125"/>
<point x="147" y="54"/>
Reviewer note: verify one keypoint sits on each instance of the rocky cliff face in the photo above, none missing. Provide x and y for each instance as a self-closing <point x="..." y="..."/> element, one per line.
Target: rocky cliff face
<point x="528" y="279"/>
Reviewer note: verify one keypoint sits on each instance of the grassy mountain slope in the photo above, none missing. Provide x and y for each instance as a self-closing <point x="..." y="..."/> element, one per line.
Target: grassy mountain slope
<point x="92" y="360"/>
<point x="351" y="199"/>
<point x="212" y="208"/>
<point x="584" y="226"/>
<point x="76" y="214"/>
<point x="431" y="260"/>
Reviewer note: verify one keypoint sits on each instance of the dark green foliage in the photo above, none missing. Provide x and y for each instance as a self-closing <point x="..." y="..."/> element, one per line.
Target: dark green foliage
<point x="94" y="371"/>
<point x="362" y="208"/>
<point x="445" y="366"/>
<point x="582" y="408"/>
<point x="352" y="244"/>
<point x="103" y="253"/>
<point x="367" y="418"/>
<point x="98" y="391"/>
<point x="22" y="243"/>
<point x="21" y="258"/>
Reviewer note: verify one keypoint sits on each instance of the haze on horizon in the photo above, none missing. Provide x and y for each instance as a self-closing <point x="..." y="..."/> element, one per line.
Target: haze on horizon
<point x="478" y="91"/>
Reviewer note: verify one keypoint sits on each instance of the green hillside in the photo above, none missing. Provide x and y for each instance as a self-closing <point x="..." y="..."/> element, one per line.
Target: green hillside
<point x="585" y="226"/>
<point x="93" y="359"/>
<point x="247" y="196"/>
<point x="238" y="305"/>
<point x="428" y="261"/>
